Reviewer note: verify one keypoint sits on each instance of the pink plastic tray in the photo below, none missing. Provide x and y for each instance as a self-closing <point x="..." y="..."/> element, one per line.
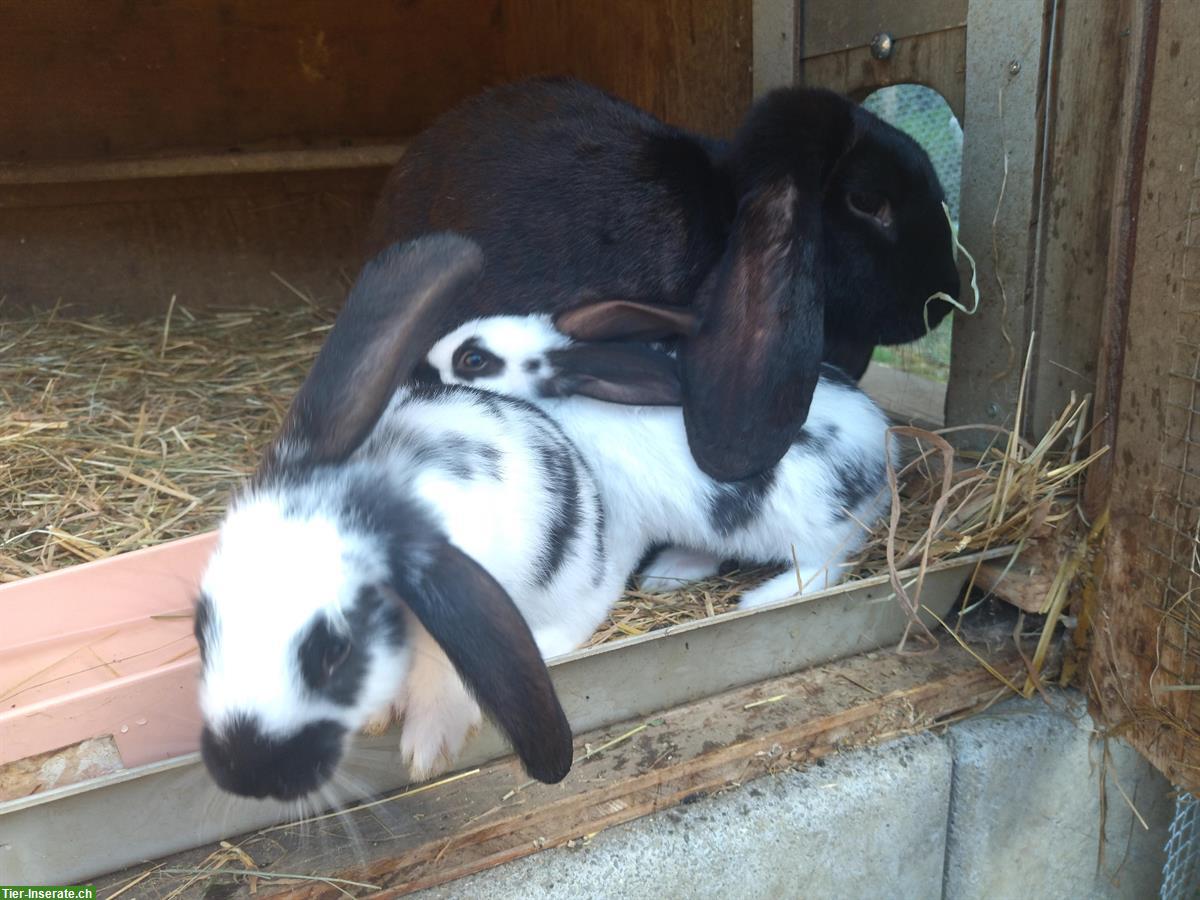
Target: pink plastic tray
<point x="104" y="648"/>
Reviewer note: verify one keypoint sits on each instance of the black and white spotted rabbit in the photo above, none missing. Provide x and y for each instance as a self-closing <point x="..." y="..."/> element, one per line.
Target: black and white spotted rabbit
<point x="404" y="546"/>
<point x="809" y="512"/>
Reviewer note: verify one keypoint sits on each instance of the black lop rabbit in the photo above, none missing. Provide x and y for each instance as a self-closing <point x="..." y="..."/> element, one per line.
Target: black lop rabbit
<point x="576" y="196"/>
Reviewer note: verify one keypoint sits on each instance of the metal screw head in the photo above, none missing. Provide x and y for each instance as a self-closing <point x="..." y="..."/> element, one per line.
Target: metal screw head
<point x="1014" y="67"/>
<point x="881" y="45"/>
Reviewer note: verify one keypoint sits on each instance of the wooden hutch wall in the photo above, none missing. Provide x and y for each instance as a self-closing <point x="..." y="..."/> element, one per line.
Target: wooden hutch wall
<point x="1145" y="667"/>
<point x="150" y="149"/>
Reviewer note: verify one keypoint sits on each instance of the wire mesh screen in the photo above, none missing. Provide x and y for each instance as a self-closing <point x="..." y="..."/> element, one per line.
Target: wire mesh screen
<point x="1181" y="871"/>
<point x="923" y="114"/>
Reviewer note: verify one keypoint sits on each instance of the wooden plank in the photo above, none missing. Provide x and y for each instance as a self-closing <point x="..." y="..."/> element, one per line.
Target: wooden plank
<point x="232" y="163"/>
<point x="494" y="816"/>
<point x="1127" y="173"/>
<point x="313" y="96"/>
<point x="1091" y="59"/>
<point x="1002" y="172"/>
<point x="774" y="39"/>
<point x="109" y="79"/>
<point x="57" y="768"/>
<point x="937" y="60"/>
<point x="1025" y="583"/>
<point x="131" y="245"/>
<point x="831" y="26"/>
<point x="1144" y="667"/>
<point x="686" y="61"/>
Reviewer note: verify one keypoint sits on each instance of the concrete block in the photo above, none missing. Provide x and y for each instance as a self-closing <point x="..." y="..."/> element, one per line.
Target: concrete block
<point x="1025" y="810"/>
<point x="870" y="823"/>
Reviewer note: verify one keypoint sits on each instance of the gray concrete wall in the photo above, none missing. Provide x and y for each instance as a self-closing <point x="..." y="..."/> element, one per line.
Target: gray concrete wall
<point x="1004" y="805"/>
<point x="1026" y="809"/>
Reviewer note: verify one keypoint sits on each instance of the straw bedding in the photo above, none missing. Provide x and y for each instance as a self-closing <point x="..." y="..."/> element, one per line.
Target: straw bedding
<point x="118" y="435"/>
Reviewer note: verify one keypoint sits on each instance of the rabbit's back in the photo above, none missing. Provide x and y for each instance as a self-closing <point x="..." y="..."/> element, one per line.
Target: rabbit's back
<point x="567" y="188"/>
<point x="511" y="490"/>
<point x="829" y="484"/>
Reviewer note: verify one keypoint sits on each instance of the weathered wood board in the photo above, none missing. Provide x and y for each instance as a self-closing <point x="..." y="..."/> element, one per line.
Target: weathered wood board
<point x="1145" y="666"/>
<point x="191" y="149"/>
<point x="427" y="837"/>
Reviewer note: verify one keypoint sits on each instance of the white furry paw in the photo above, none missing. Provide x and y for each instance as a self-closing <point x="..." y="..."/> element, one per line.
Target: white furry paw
<point x="786" y="585"/>
<point x="556" y="641"/>
<point x="439" y="718"/>
<point x="674" y="567"/>
<point x="381" y="721"/>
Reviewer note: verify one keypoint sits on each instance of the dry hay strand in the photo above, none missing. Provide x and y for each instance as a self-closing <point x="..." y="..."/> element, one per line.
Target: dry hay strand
<point x="117" y="436"/>
<point x="948" y="503"/>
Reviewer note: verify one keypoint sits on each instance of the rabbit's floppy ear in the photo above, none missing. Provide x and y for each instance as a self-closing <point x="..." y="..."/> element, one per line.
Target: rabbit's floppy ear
<point x="484" y="635"/>
<point x="392" y="315"/>
<point x="614" y="366"/>
<point x="629" y="373"/>
<point x="749" y="375"/>
<point x="626" y="320"/>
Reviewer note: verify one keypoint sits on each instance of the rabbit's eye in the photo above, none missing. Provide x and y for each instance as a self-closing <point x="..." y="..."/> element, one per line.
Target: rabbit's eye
<point x="336" y="652"/>
<point x="472" y="361"/>
<point x="323" y="651"/>
<point x="871" y="205"/>
<point x="868" y="203"/>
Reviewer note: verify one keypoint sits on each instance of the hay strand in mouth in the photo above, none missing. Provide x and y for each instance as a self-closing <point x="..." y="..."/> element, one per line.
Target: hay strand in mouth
<point x="956" y="248"/>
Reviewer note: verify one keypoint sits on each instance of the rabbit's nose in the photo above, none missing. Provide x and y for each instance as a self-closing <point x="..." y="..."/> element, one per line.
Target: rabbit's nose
<point x="245" y="759"/>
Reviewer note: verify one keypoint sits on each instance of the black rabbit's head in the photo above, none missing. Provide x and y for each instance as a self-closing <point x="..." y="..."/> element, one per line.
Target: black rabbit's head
<point x="840" y="232"/>
<point x="884" y="237"/>
<point x="887" y="244"/>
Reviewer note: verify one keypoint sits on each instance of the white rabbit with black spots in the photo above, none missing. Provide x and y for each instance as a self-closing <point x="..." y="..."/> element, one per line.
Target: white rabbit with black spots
<point x="397" y="541"/>
<point x="617" y="400"/>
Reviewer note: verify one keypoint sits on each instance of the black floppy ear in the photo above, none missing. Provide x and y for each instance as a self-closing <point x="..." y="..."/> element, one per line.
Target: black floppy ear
<point x="629" y="373"/>
<point x="749" y="375"/>
<point x="480" y="629"/>
<point x="626" y="320"/>
<point x="393" y="314"/>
